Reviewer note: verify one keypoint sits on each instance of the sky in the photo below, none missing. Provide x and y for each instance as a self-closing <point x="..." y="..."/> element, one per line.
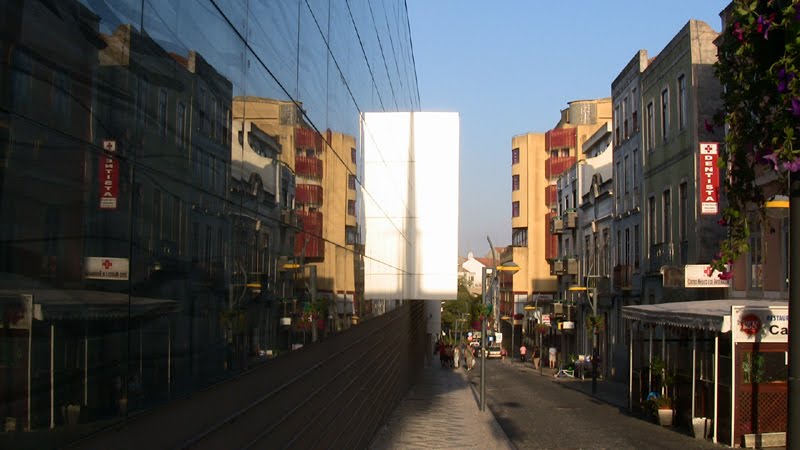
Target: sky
<point x="509" y="68"/>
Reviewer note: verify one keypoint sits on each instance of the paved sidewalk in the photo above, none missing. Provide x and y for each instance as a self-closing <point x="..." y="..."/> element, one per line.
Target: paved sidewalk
<point x="441" y="411"/>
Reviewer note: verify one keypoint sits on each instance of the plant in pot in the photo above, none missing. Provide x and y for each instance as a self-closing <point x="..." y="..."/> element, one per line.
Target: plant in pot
<point x="663" y="405"/>
<point x="664" y="378"/>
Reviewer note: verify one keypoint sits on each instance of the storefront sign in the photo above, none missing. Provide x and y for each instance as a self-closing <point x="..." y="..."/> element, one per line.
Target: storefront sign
<point x="109" y="176"/>
<point x="766" y="324"/>
<point x="703" y="276"/>
<point x="100" y="268"/>
<point x="708" y="178"/>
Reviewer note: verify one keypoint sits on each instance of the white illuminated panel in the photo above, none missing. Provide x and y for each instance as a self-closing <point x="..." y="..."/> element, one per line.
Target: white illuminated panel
<point x="410" y="194"/>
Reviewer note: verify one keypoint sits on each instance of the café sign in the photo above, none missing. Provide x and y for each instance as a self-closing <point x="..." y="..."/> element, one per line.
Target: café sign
<point x="760" y="324"/>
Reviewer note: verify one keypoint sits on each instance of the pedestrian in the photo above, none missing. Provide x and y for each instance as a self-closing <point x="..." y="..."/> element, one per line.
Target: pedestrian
<point x="552" y="353"/>
<point x="442" y="353"/>
<point x="456" y="356"/>
<point x="522" y="351"/>
<point x="536" y="357"/>
<point x="469" y="357"/>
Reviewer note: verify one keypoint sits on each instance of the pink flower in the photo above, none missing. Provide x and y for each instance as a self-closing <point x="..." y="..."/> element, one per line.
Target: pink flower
<point x="724" y="223"/>
<point x="738" y="31"/>
<point x="763" y="24"/>
<point x="792" y="166"/>
<point x="773" y="158"/>
<point x="727" y="275"/>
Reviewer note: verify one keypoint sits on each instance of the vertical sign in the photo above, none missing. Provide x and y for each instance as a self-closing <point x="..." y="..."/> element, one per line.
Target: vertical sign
<point x="709" y="178"/>
<point x="109" y="176"/>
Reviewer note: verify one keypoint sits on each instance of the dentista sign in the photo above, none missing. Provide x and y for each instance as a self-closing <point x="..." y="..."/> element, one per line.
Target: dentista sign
<point x="760" y="324"/>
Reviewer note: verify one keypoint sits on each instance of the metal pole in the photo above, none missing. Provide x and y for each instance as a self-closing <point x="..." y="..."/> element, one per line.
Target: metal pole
<point x="513" y="344"/>
<point x="483" y="334"/>
<point x="594" y="342"/>
<point x="793" y="419"/>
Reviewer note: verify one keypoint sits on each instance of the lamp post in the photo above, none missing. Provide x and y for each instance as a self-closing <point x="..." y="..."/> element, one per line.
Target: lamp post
<point x="592" y="293"/>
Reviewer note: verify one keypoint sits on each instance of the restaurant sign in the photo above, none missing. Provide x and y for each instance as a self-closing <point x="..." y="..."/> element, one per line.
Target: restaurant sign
<point x="760" y="324"/>
<point x="703" y="276"/>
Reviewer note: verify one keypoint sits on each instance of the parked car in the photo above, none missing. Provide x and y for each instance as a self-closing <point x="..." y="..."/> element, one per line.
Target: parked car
<point x="494" y="351"/>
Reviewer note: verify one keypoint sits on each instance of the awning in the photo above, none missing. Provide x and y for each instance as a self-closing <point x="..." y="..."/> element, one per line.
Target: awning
<point x="712" y="315"/>
<point x="76" y="304"/>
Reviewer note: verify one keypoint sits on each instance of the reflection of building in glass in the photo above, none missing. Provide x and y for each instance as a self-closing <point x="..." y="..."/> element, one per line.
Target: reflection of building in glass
<point x="324" y="207"/>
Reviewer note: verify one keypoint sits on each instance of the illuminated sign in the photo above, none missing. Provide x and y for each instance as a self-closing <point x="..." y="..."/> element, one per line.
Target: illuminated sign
<point x="109" y="176"/>
<point x="709" y="178"/>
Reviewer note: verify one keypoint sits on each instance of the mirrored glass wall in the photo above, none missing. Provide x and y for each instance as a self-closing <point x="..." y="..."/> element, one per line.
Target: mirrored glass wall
<point x="179" y="193"/>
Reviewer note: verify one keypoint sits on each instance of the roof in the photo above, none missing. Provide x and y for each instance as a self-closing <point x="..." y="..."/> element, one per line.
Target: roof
<point x="713" y="315"/>
<point x="75" y="304"/>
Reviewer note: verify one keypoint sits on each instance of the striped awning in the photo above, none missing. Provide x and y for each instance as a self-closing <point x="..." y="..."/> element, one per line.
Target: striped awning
<point x="712" y="315"/>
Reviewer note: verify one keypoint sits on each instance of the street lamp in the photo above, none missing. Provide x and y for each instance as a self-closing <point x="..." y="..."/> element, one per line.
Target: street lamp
<point x="592" y="293"/>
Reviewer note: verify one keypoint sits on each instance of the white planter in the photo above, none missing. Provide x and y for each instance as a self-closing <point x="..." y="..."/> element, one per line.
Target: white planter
<point x="701" y="427"/>
<point x="665" y="417"/>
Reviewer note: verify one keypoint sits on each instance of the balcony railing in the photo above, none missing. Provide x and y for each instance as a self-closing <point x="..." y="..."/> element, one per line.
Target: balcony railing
<point x="556" y="225"/>
<point x="309" y="194"/>
<point x="557" y="267"/>
<point x="571" y="266"/>
<point x="623" y="277"/>
<point x="556" y="165"/>
<point x="570" y="218"/>
<point x="660" y="255"/>
<point x="307" y="138"/>
<point x="308" y="166"/>
<point x="551" y="195"/>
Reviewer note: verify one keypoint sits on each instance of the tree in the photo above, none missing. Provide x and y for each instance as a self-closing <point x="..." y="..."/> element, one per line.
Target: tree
<point x="758" y="65"/>
<point x="463" y="308"/>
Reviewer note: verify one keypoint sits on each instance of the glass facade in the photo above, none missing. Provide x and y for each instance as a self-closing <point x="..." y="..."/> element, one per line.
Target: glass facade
<point x="164" y="170"/>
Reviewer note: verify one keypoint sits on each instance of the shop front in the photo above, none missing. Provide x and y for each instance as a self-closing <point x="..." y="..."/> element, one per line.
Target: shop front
<point x="723" y="363"/>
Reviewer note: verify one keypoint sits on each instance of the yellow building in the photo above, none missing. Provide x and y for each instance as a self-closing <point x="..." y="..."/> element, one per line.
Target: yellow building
<point x="537" y="160"/>
<point x="325" y="202"/>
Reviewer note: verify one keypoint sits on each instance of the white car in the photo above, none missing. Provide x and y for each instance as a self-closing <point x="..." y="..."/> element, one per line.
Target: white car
<point x="494" y="351"/>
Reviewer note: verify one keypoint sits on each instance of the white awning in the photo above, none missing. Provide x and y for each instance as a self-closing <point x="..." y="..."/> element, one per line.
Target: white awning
<point x="77" y="304"/>
<point x="713" y="315"/>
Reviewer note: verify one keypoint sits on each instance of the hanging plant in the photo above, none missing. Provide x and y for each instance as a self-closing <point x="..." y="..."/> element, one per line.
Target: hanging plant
<point x="596" y="323"/>
<point x="759" y="63"/>
<point x="541" y="328"/>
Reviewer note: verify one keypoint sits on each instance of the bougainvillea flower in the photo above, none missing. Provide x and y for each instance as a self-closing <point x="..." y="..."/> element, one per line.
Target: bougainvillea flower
<point x="724" y="223"/>
<point x="709" y="126"/>
<point x="763" y="24"/>
<point x="726" y="275"/>
<point x="738" y="31"/>
<point x="796" y="107"/>
<point x="797" y="11"/>
<point x="784" y="78"/>
<point x="773" y="158"/>
<point x="792" y="166"/>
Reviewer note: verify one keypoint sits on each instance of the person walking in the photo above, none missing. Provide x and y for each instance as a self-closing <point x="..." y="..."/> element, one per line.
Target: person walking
<point x="552" y="353"/>
<point x="536" y="357"/>
<point x="456" y="355"/>
<point x="469" y="357"/>
<point x="522" y="351"/>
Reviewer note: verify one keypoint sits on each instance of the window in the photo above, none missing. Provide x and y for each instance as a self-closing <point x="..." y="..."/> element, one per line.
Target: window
<point x="651" y="220"/>
<point x="514" y="182"/>
<point x="351" y="207"/>
<point x="157" y="215"/>
<point x="634" y="111"/>
<point x="351" y="181"/>
<point x="619" y="248"/>
<point x="587" y="261"/>
<point x="519" y="237"/>
<point x="161" y="119"/>
<point x="198" y="166"/>
<point x="515" y="156"/>
<point x="21" y="81"/>
<point x="682" y="102"/>
<point x="625" y="134"/>
<point x="177" y="216"/>
<point x="635" y="162"/>
<point x="683" y="211"/>
<point x="60" y="96"/>
<point x="627" y="258"/>
<point x="201" y="109"/>
<point x="616" y="125"/>
<point x="618" y="178"/>
<point x="226" y="126"/>
<point x="650" y="129"/>
<point x="667" y="216"/>
<point x="141" y="102"/>
<point x="353" y="155"/>
<point x="195" y="242"/>
<point x="606" y="250"/>
<point x="350" y="235"/>
<point x="180" y="124"/>
<point x="665" y="113"/>
<point x="756" y="263"/>
<point x="514" y="209"/>
<point x="625" y="178"/>
<point x="636" y="254"/>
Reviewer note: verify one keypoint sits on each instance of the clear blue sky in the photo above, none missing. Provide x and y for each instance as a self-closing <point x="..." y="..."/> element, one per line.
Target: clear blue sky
<point x="509" y="67"/>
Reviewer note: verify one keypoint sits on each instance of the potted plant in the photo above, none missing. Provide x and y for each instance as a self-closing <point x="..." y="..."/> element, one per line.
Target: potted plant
<point x="663" y="405"/>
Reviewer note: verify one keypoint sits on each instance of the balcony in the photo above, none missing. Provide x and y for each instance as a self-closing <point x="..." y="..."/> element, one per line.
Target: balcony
<point x="308" y="167"/>
<point x="623" y="277"/>
<point x="571" y="266"/>
<point x="556" y="165"/>
<point x="660" y="255"/>
<point x="307" y="138"/>
<point x="557" y="267"/>
<point x="556" y="225"/>
<point x="551" y="195"/>
<point x="309" y="194"/>
<point x="570" y="219"/>
<point x="311" y="236"/>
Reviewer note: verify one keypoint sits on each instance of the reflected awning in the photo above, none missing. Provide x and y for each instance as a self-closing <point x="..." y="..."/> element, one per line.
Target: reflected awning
<point x="712" y="315"/>
<point x="76" y="304"/>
